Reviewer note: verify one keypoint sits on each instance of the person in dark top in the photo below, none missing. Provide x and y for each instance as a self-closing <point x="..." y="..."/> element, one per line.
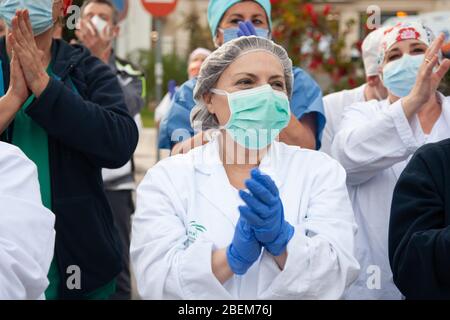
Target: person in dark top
<point x="419" y="231"/>
<point x="71" y="120"/>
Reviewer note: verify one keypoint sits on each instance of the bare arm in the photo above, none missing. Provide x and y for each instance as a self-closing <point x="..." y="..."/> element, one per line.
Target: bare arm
<point x="8" y="109"/>
<point x="220" y="267"/>
<point x="300" y="133"/>
<point x="281" y="260"/>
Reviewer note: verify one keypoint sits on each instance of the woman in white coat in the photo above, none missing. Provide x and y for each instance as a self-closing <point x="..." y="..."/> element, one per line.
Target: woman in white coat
<point x="377" y="139"/>
<point x="26" y="228"/>
<point x="198" y="235"/>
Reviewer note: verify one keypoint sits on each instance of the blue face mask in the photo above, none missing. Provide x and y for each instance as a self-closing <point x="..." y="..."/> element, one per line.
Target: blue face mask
<point x="399" y="76"/>
<point x="40" y="11"/>
<point x="232" y="33"/>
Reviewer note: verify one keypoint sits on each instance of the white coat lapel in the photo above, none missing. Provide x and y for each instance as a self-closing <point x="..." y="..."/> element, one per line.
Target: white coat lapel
<point x="213" y="183"/>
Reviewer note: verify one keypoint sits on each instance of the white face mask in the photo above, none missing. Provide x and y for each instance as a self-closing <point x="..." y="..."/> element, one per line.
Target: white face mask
<point x="99" y="24"/>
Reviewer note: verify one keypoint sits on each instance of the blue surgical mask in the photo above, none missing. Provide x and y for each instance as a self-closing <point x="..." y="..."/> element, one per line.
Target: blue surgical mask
<point x="40" y="11"/>
<point x="257" y="115"/>
<point x="232" y="33"/>
<point x="399" y="76"/>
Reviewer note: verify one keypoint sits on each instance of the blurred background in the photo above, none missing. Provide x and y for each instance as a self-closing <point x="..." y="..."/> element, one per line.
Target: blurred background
<point x="323" y="37"/>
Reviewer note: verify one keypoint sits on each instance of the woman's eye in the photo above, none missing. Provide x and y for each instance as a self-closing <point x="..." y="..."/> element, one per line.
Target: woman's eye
<point x="418" y="50"/>
<point x="394" y="57"/>
<point x="244" y="83"/>
<point x="278" y="85"/>
<point x="257" y="22"/>
<point x="235" y="21"/>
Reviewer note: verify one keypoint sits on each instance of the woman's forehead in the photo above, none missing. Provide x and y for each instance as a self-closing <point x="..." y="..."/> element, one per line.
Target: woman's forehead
<point x="246" y="8"/>
<point x="257" y="62"/>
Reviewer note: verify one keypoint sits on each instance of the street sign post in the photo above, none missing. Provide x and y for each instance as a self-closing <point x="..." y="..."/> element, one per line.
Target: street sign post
<point x="159" y="9"/>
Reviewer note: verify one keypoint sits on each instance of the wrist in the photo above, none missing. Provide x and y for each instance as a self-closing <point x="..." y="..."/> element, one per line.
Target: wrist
<point x="236" y="264"/>
<point x="278" y="246"/>
<point x="41" y="85"/>
<point x="13" y="101"/>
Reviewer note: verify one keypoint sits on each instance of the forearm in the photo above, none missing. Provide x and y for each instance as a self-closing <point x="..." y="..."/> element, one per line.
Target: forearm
<point x="8" y="109"/>
<point x="300" y="133"/>
<point x="281" y="260"/>
<point x="220" y="267"/>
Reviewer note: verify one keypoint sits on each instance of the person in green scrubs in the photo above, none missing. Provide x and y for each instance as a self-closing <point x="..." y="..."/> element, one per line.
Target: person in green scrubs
<point x="68" y="115"/>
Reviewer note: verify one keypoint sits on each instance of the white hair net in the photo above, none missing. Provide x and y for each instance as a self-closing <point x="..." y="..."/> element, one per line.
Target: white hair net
<point x="219" y="60"/>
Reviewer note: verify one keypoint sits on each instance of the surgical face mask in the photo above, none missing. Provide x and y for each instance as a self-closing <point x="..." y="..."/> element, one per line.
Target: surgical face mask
<point x="232" y="33"/>
<point x="99" y="24"/>
<point x="257" y="115"/>
<point x="40" y="11"/>
<point x="399" y="76"/>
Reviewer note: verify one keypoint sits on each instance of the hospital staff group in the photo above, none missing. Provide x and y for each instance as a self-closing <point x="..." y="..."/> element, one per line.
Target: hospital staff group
<point x="271" y="190"/>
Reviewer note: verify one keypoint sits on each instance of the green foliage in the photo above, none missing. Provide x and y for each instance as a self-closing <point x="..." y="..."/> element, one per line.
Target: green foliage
<point x="314" y="41"/>
<point x="175" y="68"/>
<point x="199" y="36"/>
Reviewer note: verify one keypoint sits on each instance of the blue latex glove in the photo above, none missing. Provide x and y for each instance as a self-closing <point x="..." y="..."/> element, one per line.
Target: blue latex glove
<point x="246" y="29"/>
<point x="172" y="85"/>
<point x="264" y="213"/>
<point x="244" y="250"/>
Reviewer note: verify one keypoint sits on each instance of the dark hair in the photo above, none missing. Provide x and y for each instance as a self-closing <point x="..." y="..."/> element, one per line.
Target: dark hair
<point x="105" y="2"/>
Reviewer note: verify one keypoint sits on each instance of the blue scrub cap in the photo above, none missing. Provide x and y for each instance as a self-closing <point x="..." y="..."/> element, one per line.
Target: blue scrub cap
<point x="217" y="8"/>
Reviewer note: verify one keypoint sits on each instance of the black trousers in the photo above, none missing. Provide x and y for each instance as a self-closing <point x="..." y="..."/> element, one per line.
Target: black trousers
<point x="122" y="207"/>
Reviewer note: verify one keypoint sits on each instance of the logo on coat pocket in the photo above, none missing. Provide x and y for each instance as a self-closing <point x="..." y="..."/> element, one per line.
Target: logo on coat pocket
<point x="194" y="231"/>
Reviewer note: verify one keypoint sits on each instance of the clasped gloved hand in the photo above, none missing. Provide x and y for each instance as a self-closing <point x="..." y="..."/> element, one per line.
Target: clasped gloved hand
<point x="264" y="213"/>
<point x="244" y="250"/>
<point x="246" y="29"/>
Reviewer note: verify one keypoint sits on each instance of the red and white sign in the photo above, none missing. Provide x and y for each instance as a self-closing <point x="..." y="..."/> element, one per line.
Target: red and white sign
<point x="159" y="8"/>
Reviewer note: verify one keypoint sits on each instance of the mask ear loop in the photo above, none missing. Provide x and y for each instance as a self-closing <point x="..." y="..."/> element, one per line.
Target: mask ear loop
<point x="223" y="93"/>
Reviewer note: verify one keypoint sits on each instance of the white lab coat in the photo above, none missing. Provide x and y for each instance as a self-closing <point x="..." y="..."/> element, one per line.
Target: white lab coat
<point x="26" y="228"/>
<point x="334" y="105"/>
<point x="186" y="208"/>
<point x="374" y="145"/>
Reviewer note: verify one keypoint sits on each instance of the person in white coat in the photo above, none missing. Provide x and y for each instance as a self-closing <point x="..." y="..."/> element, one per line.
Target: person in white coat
<point x="26" y="229"/>
<point x="377" y="139"/>
<point x="335" y="103"/>
<point x="198" y="235"/>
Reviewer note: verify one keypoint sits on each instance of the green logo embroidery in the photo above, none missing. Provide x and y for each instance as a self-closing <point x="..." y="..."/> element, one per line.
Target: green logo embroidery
<point x="194" y="231"/>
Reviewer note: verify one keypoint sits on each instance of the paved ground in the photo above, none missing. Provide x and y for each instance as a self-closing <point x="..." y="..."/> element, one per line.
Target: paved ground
<point x="146" y="153"/>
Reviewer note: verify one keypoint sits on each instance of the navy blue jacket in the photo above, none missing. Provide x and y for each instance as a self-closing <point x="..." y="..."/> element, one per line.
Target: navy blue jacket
<point x="419" y="231"/>
<point x="88" y="128"/>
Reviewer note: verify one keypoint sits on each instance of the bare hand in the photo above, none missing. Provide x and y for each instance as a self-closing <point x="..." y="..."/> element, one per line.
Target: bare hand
<point x="18" y="89"/>
<point x="427" y="79"/>
<point x="100" y="45"/>
<point x="28" y="54"/>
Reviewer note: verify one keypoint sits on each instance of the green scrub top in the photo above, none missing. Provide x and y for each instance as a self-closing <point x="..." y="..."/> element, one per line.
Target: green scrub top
<point x="33" y="141"/>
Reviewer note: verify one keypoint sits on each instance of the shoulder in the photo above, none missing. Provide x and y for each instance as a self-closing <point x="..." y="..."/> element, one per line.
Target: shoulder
<point x="185" y="93"/>
<point x="10" y="154"/>
<point x="127" y="67"/>
<point x="175" y="170"/>
<point x="306" y="160"/>
<point x="301" y="77"/>
<point x="364" y="108"/>
<point x="434" y="152"/>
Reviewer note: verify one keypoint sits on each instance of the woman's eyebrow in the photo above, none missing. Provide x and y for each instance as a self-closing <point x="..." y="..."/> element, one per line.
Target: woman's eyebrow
<point x="257" y="15"/>
<point x="394" y="50"/>
<point x="248" y="74"/>
<point x="417" y="44"/>
<point x="236" y="15"/>
<point x="277" y="76"/>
